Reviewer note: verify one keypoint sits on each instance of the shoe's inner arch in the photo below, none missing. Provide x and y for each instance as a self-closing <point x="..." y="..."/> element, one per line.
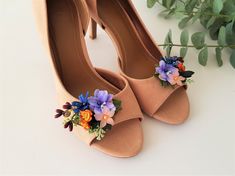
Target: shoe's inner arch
<point x="69" y="50"/>
<point x="136" y="61"/>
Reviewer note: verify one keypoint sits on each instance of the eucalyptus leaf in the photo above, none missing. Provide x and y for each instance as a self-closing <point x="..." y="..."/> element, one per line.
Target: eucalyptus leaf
<point x="232" y="59"/>
<point x="196" y="16"/>
<point x="230" y="34"/>
<point x="184" y="22"/>
<point x="214" y="28"/>
<point x="168" y="51"/>
<point x="210" y="22"/>
<point x="229" y="7"/>
<point x="222" y="36"/>
<point x="184" y="37"/>
<point x="170" y="13"/>
<point x="169" y="3"/>
<point x="168" y="39"/>
<point x="190" y="5"/>
<point x="198" y="40"/>
<point x="217" y="6"/>
<point x="183" y="51"/>
<point x="151" y="3"/>
<point x="218" y="56"/>
<point x="203" y="56"/>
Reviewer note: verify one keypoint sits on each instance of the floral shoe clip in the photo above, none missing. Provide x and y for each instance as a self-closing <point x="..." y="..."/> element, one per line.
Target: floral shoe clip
<point x="171" y="71"/>
<point x="94" y="113"/>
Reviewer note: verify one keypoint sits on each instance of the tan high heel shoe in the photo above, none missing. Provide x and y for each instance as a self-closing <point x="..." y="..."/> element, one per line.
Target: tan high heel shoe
<point x="109" y="120"/>
<point x="138" y="56"/>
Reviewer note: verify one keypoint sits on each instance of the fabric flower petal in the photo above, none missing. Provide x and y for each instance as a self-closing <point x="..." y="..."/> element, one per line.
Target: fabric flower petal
<point x="102" y="123"/>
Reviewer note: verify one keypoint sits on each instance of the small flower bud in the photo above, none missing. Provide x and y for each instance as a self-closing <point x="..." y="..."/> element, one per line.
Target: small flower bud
<point x="67" y="105"/>
<point x="71" y="126"/>
<point x="67" y="124"/>
<point x="57" y="115"/>
<point x="67" y="113"/>
<point x="59" y="111"/>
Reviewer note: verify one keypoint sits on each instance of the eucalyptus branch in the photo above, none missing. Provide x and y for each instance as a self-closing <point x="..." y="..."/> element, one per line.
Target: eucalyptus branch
<point x="205" y="13"/>
<point x="192" y="46"/>
<point x="216" y="16"/>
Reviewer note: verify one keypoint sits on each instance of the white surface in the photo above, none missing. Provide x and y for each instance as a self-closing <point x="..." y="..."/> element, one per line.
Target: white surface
<point x="33" y="142"/>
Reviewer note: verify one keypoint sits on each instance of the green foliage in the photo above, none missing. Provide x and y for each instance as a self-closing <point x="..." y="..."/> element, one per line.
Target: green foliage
<point x="198" y="40"/>
<point x="232" y="59"/>
<point x="218" y="56"/>
<point x="217" y="6"/>
<point x="216" y="16"/>
<point x="150" y="3"/>
<point x="222" y="36"/>
<point x="203" y="56"/>
<point x="168" y="42"/>
<point x="117" y="104"/>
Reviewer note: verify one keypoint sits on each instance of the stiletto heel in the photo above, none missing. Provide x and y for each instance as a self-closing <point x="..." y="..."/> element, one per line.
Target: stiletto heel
<point x="95" y="119"/>
<point x="93" y="29"/>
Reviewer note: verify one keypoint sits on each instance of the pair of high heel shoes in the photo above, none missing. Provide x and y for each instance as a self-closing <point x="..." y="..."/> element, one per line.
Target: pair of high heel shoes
<point x="107" y="113"/>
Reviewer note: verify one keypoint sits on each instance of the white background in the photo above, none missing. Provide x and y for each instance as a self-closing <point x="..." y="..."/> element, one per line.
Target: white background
<point x="33" y="142"/>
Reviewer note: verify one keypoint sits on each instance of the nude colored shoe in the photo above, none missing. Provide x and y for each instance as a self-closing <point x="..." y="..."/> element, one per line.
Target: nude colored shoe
<point x="160" y="90"/>
<point x="109" y="119"/>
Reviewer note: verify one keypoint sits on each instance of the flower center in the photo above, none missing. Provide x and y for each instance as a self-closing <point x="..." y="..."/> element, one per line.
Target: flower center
<point x="103" y="104"/>
<point x="106" y="117"/>
<point x="169" y="72"/>
<point x="176" y="78"/>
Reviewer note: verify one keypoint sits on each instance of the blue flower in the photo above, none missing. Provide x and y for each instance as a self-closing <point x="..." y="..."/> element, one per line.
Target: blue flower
<point x="100" y="100"/>
<point x="82" y="104"/>
<point x="174" y="61"/>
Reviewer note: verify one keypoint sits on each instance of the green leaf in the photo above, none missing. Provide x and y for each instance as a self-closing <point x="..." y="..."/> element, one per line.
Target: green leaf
<point x="232" y="59"/>
<point x="168" y="51"/>
<point x="229" y="7"/>
<point x="117" y="104"/>
<point x="230" y="34"/>
<point x="151" y="3"/>
<point x="214" y="29"/>
<point x="198" y="40"/>
<point x="203" y="56"/>
<point x="184" y="37"/>
<point x="183" y="52"/>
<point x="217" y="6"/>
<point x="190" y="5"/>
<point x="168" y="39"/>
<point x="210" y="22"/>
<point x="222" y="36"/>
<point x="196" y="16"/>
<point x="170" y="13"/>
<point x="168" y="3"/>
<point x="218" y="56"/>
<point x="187" y="74"/>
<point x="184" y="22"/>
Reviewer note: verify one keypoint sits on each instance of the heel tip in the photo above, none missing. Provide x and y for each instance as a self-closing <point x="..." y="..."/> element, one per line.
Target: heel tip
<point x="93" y="37"/>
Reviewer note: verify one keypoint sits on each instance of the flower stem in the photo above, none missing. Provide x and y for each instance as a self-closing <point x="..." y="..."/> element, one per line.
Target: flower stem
<point x="192" y="46"/>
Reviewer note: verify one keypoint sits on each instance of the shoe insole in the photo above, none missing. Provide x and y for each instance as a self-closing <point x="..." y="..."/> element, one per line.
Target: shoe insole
<point x="137" y="62"/>
<point x="69" y="51"/>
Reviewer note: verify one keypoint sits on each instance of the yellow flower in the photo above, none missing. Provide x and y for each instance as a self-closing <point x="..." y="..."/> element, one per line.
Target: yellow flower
<point x="84" y="124"/>
<point x="86" y="115"/>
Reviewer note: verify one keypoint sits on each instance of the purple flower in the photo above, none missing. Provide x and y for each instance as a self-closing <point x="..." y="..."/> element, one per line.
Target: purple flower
<point x="165" y="69"/>
<point x="101" y="99"/>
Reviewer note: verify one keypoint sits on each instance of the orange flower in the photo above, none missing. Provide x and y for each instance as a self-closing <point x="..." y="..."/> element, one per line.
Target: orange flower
<point x="86" y="115"/>
<point x="84" y="124"/>
<point x="181" y="67"/>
